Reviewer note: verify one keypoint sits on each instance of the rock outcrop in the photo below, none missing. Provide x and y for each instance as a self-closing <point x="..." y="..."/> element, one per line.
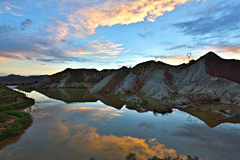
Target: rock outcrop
<point x="201" y="81"/>
<point x="72" y="78"/>
<point x="207" y="78"/>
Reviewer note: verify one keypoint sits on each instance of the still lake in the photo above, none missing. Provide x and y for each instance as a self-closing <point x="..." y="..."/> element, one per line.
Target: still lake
<point x="73" y="124"/>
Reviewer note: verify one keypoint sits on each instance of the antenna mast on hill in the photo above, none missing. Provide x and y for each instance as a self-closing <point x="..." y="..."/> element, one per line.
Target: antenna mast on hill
<point x="156" y="57"/>
<point x="189" y="55"/>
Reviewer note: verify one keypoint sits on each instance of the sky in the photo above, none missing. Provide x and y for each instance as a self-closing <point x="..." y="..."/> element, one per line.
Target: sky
<point x="47" y="36"/>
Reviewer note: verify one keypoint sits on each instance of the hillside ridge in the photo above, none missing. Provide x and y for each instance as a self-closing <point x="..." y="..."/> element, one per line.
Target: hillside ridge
<point x="209" y="77"/>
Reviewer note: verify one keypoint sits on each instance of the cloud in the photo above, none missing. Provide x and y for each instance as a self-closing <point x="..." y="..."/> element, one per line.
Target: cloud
<point x="48" y="44"/>
<point x="25" y="24"/>
<point x="98" y="113"/>
<point x="63" y="59"/>
<point x="6" y="29"/>
<point x="180" y="46"/>
<point x="228" y="48"/>
<point x="196" y="133"/>
<point x="85" y="140"/>
<point x="172" y="59"/>
<point x="176" y="60"/>
<point x="85" y="20"/>
<point x="7" y="8"/>
<point x="104" y="57"/>
<point x="3" y="58"/>
<point x="216" y="20"/>
<point x="96" y="46"/>
<point x="22" y="46"/>
<point x="58" y="29"/>
<point x="144" y="35"/>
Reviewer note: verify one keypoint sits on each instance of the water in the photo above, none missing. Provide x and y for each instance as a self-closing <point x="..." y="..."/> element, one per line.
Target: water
<point x="73" y="124"/>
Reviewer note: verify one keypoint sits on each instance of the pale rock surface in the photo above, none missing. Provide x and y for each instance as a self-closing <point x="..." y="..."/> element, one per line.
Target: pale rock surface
<point x="178" y="102"/>
<point x="226" y="113"/>
<point x="156" y="87"/>
<point x="126" y="84"/>
<point x="134" y="99"/>
<point x="62" y="82"/>
<point x="102" y="83"/>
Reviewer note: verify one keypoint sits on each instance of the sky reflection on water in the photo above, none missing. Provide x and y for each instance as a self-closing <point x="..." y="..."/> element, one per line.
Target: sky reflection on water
<point x="93" y="129"/>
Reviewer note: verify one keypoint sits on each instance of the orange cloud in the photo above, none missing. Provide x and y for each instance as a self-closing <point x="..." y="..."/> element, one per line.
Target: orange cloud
<point x="110" y="13"/>
<point x="80" y="51"/>
<point x="3" y="58"/>
<point x="176" y="60"/>
<point x="87" y="142"/>
<point x="98" y="113"/>
<point x="229" y="49"/>
<point x="97" y="47"/>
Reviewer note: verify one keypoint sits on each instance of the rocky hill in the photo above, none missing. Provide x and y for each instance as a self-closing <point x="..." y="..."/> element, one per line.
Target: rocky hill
<point x="210" y="78"/>
<point x="73" y="78"/>
<point x="17" y="79"/>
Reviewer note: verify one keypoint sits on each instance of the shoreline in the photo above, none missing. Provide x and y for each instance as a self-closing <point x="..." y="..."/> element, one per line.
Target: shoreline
<point x="24" y="119"/>
<point x="4" y="141"/>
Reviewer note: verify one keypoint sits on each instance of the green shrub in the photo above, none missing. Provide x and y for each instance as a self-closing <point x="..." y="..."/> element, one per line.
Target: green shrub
<point x="144" y="101"/>
<point x="4" y="117"/>
<point x="26" y="103"/>
<point x="164" y="98"/>
<point x="7" y="112"/>
<point x="209" y="100"/>
<point x="131" y="156"/>
<point x="176" y="158"/>
<point x="24" y="119"/>
<point x="216" y="99"/>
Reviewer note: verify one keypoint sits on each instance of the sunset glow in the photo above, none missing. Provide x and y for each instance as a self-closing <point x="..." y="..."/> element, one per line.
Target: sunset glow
<point x="47" y="36"/>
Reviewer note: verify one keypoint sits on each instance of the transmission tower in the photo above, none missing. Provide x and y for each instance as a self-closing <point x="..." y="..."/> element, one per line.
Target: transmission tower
<point x="189" y="55"/>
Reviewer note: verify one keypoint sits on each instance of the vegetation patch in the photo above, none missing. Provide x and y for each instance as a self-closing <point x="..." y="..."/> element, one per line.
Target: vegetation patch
<point x="75" y="87"/>
<point x="4" y="117"/>
<point x="132" y="156"/>
<point x="164" y="98"/>
<point x="223" y="111"/>
<point x="132" y="106"/>
<point x="126" y="72"/>
<point x="216" y="100"/>
<point x="12" y="121"/>
<point x="24" y="119"/>
<point x="174" y="96"/>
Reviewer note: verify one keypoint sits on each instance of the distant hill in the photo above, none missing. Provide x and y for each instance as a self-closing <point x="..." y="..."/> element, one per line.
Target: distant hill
<point x="17" y="79"/>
